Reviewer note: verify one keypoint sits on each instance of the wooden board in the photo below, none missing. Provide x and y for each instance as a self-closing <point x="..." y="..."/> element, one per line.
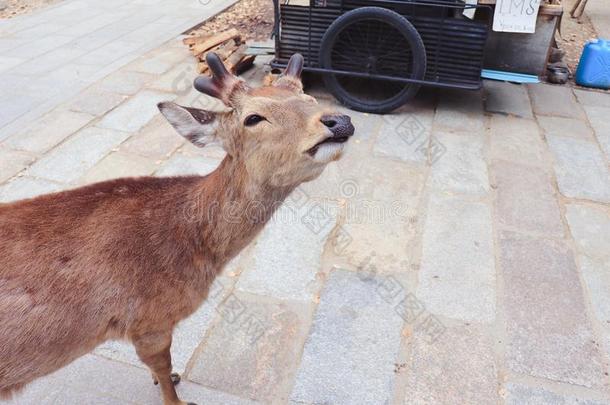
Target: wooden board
<point x="215" y="40"/>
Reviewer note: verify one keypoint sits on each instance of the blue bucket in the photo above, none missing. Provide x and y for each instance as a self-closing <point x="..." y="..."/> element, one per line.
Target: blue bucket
<point x="594" y="66"/>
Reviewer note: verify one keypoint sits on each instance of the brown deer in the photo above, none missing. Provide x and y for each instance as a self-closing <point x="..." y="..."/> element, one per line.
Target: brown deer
<point x="130" y="258"/>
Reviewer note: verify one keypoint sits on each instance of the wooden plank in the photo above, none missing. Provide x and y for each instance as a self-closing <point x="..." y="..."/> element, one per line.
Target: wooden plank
<point x="193" y="39"/>
<point x="215" y="40"/>
<point x="223" y="51"/>
<point x="235" y="57"/>
<point x="246" y="63"/>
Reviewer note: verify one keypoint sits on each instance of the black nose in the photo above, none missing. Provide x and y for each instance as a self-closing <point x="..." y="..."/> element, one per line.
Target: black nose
<point x="339" y="125"/>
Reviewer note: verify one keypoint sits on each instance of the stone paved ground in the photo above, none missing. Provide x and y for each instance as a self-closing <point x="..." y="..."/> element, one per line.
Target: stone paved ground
<point x="458" y="254"/>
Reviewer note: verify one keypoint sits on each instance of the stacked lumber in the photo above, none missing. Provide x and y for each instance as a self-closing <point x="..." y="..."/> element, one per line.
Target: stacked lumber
<point x="228" y="45"/>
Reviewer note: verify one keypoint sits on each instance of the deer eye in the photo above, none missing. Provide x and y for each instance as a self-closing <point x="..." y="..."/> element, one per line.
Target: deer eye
<point x="253" y="119"/>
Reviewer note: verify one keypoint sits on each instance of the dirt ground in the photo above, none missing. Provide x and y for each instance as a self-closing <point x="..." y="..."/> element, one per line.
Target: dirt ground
<point x="573" y="35"/>
<point x="12" y="8"/>
<point x="253" y="18"/>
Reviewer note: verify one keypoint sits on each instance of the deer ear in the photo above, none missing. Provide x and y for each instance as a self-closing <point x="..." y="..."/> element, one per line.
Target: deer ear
<point x="291" y="78"/>
<point x="198" y="126"/>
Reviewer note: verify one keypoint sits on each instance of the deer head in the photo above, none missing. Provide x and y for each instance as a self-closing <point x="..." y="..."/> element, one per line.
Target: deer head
<point x="280" y="135"/>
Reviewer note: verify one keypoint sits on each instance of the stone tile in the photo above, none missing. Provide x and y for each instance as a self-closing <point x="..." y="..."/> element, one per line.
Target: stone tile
<point x="95" y="101"/>
<point x="460" y="111"/>
<point x="159" y="61"/>
<point x="457" y="275"/>
<point x="178" y="80"/>
<point x="26" y="187"/>
<point x="525" y="199"/>
<point x="589" y="225"/>
<point x="108" y="53"/>
<point x="507" y="98"/>
<point x="599" y="119"/>
<point x="125" y="82"/>
<point x="462" y="168"/>
<point x="40" y="46"/>
<point x="71" y="160"/>
<point x="549" y="335"/>
<point x="449" y="371"/>
<point x="12" y="162"/>
<point x="565" y="126"/>
<point x="518" y="394"/>
<point x="379" y="225"/>
<point x="353" y="344"/>
<point x="594" y="98"/>
<point x="7" y="62"/>
<point x="401" y="137"/>
<point x="48" y="61"/>
<point x="554" y="100"/>
<point x="136" y="112"/>
<point x="181" y="165"/>
<point x="117" y="165"/>
<point x="275" y="267"/>
<point x="187" y="336"/>
<point x="157" y="139"/>
<point x="596" y="273"/>
<point x="580" y="168"/>
<point x="516" y="140"/>
<point x="253" y="352"/>
<point x="93" y="378"/>
<point x="48" y="131"/>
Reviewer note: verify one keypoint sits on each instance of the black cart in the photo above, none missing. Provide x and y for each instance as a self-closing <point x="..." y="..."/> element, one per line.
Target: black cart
<point x="375" y="54"/>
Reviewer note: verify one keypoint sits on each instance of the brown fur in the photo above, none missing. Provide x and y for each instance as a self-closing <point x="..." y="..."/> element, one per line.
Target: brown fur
<point x="130" y="258"/>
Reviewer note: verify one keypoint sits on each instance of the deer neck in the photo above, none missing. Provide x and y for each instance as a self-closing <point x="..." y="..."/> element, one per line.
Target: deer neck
<point x="233" y="208"/>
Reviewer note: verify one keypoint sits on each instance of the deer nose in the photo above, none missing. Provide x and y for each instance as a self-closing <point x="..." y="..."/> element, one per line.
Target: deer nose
<point x="340" y="125"/>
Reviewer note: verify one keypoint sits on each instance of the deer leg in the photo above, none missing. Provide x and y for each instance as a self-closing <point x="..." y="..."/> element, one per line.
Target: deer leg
<point x="153" y="350"/>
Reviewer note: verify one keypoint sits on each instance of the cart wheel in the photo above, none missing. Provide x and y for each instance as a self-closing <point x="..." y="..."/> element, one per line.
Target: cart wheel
<point x="377" y="41"/>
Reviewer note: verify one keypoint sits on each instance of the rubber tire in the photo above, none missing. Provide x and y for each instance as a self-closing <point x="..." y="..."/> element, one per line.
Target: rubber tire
<point x="396" y="21"/>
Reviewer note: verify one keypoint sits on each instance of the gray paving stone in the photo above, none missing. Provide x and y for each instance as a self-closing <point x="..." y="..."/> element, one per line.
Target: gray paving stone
<point x="159" y="61"/>
<point x="95" y="380"/>
<point x="448" y="370"/>
<point x="125" y="82"/>
<point x="462" y="168"/>
<point x="253" y="351"/>
<point x="565" y="126"/>
<point x="275" y="267"/>
<point x="598" y="117"/>
<point x="518" y="394"/>
<point x="401" y="137"/>
<point x="12" y="162"/>
<point x="7" y="62"/>
<point x="50" y="130"/>
<point x="460" y="111"/>
<point x="71" y="160"/>
<point x="554" y="100"/>
<point x="596" y="274"/>
<point x="457" y="276"/>
<point x="48" y="61"/>
<point x="95" y="101"/>
<point x="589" y="226"/>
<point x="507" y="98"/>
<point x="525" y="199"/>
<point x="516" y="140"/>
<point x="580" y="168"/>
<point x="179" y="80"/>
<point x="549" y="335"/>
<point x="352" y="347"/>
<point x="380" y="216"/>
<point x="136" y="112"/>
<point x="157" y="139"/>
<point x="186" y="337"/>
<point x="181" y="165"/>
<point x="594" y="98"/>
<point x="26" y="187"/>
<point x="117" y="165"/>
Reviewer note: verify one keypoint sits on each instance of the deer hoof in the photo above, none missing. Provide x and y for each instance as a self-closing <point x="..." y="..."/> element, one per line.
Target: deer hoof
<point x="175" y="378"/>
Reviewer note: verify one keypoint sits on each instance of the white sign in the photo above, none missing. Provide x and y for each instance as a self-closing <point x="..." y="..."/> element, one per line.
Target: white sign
<point x="516" y="15"/>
